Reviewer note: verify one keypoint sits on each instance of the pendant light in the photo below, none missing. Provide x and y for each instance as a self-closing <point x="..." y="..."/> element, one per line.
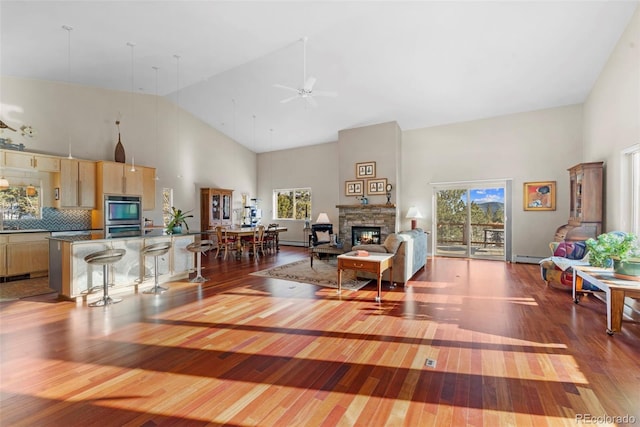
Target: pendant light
<point x="156" y="107"/>
<point x="4" y="183"/>
<point x="133" y="159"/>
<point x="68" y="28"/>
<point x="178" y="111"/>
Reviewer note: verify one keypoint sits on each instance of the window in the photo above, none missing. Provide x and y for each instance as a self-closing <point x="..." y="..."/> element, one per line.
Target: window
<point x="294" y="203"/>
<point x="20" y="201"/>
<point x="630" y="189"/>
<point x="167" y="202"/>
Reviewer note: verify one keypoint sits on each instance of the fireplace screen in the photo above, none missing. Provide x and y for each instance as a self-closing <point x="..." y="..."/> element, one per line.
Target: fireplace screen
<point x="365" y="235"/>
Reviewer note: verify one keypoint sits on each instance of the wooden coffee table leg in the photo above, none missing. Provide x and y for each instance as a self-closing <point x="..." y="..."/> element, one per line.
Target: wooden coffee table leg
<point x="339" y="280"/>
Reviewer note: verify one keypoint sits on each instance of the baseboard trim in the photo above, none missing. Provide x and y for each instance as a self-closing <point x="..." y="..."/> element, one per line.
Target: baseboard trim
<point x="527" y="259"/>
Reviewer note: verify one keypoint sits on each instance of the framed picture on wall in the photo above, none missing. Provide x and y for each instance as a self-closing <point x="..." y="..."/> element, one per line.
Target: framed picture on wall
<point x="366" y="170"/>
<point x="376" y="186"/>
<point x="354" y="188"/>
<point x="539" y="196"/>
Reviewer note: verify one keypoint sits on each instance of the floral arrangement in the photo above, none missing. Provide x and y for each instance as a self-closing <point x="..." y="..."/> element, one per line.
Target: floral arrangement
<point x="615" y="244"/>
<point x="178" y="218"/>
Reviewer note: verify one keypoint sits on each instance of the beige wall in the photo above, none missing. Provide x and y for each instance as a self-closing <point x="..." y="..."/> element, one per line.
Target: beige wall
<point x="201" y="156"/>
<point x="533" y="146"/>
<point x="612" y="117"/>
<point x="314" y="167"/>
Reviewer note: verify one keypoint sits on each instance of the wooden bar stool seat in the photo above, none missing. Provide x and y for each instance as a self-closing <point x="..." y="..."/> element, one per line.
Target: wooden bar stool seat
<point x="156" y="250"/>
<point x="105" y="258"/>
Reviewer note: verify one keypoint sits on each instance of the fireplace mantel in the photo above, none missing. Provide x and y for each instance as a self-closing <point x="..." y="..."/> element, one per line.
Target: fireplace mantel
<point x="360" y="205"/>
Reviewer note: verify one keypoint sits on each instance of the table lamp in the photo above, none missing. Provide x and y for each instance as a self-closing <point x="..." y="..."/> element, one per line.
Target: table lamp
<point x="323" y="218"/>
<point x="414" y="214"/>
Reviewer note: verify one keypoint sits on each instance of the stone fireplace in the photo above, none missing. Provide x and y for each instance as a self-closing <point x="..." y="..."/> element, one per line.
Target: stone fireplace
<point x="368" y="216"/>
<point x="365" y="235"/>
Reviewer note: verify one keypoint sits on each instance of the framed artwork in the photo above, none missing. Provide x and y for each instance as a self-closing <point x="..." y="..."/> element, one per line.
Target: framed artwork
<point x="354" y="188"/>
<point x="540" y="196"/>
<point x="366" y="170"/>
<point x="376" y="186"/>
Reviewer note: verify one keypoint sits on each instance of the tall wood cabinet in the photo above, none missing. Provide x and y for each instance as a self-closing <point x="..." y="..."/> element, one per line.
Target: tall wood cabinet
<point x="215" y="207"/>
<point x="76" y="184"/>
<point x="585" y="203"/>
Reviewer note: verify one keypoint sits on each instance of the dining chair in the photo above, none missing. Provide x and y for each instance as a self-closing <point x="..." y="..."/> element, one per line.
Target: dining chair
<point x="270" y="237"/>
<point x="256" y="242"/>
<point x="224" y="242"/>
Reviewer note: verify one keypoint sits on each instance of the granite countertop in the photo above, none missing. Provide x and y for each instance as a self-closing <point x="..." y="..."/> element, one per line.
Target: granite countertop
<point x="99" y="235"/>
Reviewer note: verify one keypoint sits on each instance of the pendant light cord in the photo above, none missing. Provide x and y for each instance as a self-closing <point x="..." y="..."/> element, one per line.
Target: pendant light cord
<point x="132" y="45"/>
<point x="68" y="28"/>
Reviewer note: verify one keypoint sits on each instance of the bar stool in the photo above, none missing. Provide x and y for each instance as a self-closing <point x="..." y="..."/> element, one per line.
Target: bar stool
<point x="155" y="250"/>
<point x="199" y="248"/>
<point x="105" y="258"/>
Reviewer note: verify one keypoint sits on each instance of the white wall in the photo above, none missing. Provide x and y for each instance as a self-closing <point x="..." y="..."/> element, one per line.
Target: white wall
<point x="612" y="117"/>
<point x="533" y="146"/>
<point x="85" y="117"/>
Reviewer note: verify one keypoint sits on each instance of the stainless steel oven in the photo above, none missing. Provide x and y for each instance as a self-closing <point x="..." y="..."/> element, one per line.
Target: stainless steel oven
<point x="122" y="216"/>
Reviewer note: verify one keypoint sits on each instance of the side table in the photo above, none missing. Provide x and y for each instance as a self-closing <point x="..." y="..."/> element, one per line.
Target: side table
<point x="375" y="263"/>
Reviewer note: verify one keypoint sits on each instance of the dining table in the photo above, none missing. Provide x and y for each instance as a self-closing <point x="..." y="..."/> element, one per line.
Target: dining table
<point x="239" y="232"/>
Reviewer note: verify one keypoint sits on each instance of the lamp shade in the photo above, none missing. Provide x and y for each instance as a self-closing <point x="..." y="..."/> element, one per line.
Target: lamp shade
<point x="323" y="218"/>
<point x="4" y="184"/>
<point x="414" y="213"/>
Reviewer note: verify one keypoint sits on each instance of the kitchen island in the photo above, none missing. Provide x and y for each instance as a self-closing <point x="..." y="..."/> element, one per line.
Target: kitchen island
<point x="73" y="278"/>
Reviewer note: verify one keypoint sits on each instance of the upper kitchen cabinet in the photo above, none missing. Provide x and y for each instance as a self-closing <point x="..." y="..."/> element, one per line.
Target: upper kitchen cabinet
<point x="30" y="161"/>
<point x="118" y="178"/>
<point x="76" y="184"/>
<point x="148" y="189"/>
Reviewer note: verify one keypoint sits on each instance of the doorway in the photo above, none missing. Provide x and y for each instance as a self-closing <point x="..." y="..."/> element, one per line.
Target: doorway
<point x="471" y="219"/>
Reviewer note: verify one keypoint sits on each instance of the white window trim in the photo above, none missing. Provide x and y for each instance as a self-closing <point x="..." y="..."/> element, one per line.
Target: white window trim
<point x="630" y="189"/>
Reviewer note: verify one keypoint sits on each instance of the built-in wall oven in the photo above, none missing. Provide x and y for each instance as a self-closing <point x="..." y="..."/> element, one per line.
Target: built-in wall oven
<point x="122" y="216"/>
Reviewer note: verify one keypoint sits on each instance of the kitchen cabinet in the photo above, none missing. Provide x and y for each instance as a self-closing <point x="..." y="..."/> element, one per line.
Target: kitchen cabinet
<point x="76" y="184"/>
<point x="118" y="178"/>
<point x="24" y="253"/>
<point x="215" y="207"/>
<point x="148" y="189"/>
<point x="30" y="161"/>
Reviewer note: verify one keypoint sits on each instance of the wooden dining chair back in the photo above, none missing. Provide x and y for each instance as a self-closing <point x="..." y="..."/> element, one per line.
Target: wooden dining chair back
<point x="256" y="242"/>
<point x="270" y="237"/>
<point x="223" y="242"/>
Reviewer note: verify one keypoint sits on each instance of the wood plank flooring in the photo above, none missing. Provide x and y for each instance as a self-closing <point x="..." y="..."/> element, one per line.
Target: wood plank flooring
<point x="241" y="350"/>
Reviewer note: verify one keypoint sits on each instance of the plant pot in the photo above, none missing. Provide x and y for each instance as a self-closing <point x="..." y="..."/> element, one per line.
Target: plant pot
<point x="627" y="270"/>
<point x="177" y="229"/>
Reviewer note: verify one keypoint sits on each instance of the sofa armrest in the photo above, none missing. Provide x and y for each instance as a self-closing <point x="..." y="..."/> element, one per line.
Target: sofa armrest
<point x="370" y="248"/>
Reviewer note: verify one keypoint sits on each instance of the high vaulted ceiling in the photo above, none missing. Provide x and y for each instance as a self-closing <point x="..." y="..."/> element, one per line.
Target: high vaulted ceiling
<point x="420" y="63"/>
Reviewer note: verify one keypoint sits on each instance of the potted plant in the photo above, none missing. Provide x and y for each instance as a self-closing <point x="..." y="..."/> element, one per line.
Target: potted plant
<point x="177" y="220"/>
<point x="618" y="250"/>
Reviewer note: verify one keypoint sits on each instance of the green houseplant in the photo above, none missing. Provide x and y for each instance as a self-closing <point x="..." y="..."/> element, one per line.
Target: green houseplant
<point x="177" y="219"/>
<point x="616" y="249"/>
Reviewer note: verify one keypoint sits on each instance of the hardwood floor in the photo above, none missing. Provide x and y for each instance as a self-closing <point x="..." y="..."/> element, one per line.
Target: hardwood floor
<point x="242" y="350"/>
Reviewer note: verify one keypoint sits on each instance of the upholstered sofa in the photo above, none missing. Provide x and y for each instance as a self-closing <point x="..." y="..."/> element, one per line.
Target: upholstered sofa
<point x="410" y="249"/>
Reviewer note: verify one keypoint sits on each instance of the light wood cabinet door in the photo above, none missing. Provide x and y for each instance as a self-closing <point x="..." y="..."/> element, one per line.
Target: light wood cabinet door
<point x="27" y="253"/>
<point x="118" y="178"/>
<point x="148" y="189"/>
<point x="21" y="160"/>
<point x="3" y="259"/>
<point x="77" y="184"/>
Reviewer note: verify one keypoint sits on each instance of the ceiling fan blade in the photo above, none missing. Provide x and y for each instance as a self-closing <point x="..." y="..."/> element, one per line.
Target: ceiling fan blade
<point x="285" y="88"/>
<point x="308" y="85"/>
<point x="311" y="101"/>
<point x="324" y="93"/>
<point x="288" y="99"/>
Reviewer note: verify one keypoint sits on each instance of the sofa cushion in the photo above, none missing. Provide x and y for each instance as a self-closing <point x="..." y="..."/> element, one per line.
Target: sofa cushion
<point x="371" y="248"/>
<point x="392" y="242"/>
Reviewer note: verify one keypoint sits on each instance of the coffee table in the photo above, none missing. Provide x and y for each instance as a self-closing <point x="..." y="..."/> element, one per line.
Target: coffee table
<point x="326" y="248"/>
<point x="615" y="290"/>
<point x="375" y="263"/>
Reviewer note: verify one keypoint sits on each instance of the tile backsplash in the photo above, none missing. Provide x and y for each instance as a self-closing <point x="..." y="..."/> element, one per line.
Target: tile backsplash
<point x="54" y="220"/>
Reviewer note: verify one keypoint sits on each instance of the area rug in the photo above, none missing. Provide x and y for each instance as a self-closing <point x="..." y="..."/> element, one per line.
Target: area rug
<point x="323" y="273"/>
<point x="10" y="291"/>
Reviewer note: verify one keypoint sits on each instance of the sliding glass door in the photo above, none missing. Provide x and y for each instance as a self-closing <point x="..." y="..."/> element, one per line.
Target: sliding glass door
<point x="470" y="220"/>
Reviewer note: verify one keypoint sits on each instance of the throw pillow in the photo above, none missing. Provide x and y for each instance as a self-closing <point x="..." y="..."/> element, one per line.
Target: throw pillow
<point x="323" y="236"/>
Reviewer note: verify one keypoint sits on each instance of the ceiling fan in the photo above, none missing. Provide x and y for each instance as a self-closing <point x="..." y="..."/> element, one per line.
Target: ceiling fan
<point x="306" y="91"/>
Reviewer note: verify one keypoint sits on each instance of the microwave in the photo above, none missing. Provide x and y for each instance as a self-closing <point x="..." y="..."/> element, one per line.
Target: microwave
<point x="122" y="211"/>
